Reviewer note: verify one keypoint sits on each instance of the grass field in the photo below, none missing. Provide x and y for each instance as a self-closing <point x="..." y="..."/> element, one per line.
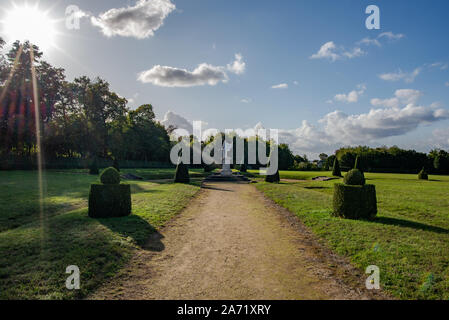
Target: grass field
<point x="409" y="240"/>
<point x="35" y="250"/>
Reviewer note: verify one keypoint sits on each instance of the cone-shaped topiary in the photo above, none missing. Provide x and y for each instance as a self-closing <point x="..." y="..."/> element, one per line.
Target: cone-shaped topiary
<point x="354" y="177"/>
<point x="182" y="173"/>
<point x="422" y="175"/>
<point x="93" y="169"/>
<point x="116" y="165"/>
<point x="274" y="178"/>
<point x="110" y="176"/>
<point x="336" y="171"/>
<point x="358" y="163"/>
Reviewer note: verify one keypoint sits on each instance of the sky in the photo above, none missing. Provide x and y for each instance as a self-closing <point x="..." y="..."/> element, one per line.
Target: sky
<point x="311" y="69"/>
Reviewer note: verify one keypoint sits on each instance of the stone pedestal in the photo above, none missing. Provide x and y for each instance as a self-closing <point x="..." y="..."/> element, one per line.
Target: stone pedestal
<point x="226" y="171"/>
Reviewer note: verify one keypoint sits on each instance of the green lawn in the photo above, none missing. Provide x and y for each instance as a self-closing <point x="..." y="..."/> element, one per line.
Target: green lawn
<point x="35" y="250"/>
<point x="409" y="240"/>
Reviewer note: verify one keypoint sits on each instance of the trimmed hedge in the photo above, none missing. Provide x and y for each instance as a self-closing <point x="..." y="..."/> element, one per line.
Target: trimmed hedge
<point x="355" y="177"/>
<point x="355" y="202"/>
<point x="182" y="173"/>
<point x="336" y="171"/>
<point x="274" y="178"/>
<point x="109" y="200"/>
<point x="110" y="176"/>
<point x="422" y="175"/>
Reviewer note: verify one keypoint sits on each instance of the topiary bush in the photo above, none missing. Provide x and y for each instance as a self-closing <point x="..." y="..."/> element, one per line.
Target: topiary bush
<point x="243" y="168"/>
<point x="109" y="199"/>
<point x="110" y="176"/>
<point x="93" y="169"/>
<point x="355" y="201"/>
<point x="422" y="175"/>
<point x="358" y="163"/>
<point x="116" y="165"/>
<point x="182" y="173"/>
<point x="355" y="177"/>
<point x="209" y="168"/>
<point x="336" y="171"/>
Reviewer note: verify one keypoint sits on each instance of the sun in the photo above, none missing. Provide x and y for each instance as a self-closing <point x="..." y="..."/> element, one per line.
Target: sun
<point x="29" y="23"/>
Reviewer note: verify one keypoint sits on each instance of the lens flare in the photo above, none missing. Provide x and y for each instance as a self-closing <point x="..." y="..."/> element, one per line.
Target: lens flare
<point x="29" y="23"/>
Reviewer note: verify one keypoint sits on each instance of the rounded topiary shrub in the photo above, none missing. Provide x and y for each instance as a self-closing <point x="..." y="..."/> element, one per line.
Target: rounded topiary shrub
<point x="110" y="176"/>
<point x="109" y="200"/>
<point x="182" y="173"/>
<point x="274" y="178"/>
<point x="422" y="175"/>
<point x="355" y="201"/>
<point x="355" y="177"/>
<point x="209" y="168"/>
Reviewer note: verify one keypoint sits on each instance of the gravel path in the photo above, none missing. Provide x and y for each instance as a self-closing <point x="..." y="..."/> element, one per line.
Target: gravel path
<point x="233" y="243"/>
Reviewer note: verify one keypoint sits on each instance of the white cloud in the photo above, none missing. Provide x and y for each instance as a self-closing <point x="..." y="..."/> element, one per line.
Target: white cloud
<point x="203" y="74"/>
<point x="331" y="52"/>
<point x="440" y="65"/>
<point x="280" y="86"/>
<point x="164" y="76"/>
<point x="408" y="77"/>
<point x="440" y="138"/>
<point x="238" y="66"/>
<point x="391" y="36"/>
<point x="402" y="97"/>
<point x="447" y="84"/>
<point x="139" y="21"/>
<point x="352" y="96"/>
<point x="246" y="100"/>
<point x="369" y="41"/>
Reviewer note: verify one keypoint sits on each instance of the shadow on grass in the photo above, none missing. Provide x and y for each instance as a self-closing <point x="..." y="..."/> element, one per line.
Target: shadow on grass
<point x="311" y="188"/>
<point x="138" y="229"/>
<point x="215" y="188"/>
<point x="135" y="188"/>
<point x="410" y="224"/>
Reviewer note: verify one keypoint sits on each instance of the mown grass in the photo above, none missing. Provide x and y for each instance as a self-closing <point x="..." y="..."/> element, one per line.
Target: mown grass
<point x="36" y="249"/>
<point x="408" y="240"/>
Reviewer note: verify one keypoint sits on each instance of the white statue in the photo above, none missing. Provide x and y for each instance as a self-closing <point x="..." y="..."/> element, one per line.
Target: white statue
<point x="226" y="162"/>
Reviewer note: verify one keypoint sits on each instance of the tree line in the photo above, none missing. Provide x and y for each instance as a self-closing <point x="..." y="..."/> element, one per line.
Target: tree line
<point x="84" y="119"/>
<point x="81" y="119"/>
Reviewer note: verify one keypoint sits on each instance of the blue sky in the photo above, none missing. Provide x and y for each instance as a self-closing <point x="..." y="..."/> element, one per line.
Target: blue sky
<point x="400" y="71"/>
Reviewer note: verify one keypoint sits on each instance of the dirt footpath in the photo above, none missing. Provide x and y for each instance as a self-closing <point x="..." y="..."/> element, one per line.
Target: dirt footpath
<point x="233" y="243"/>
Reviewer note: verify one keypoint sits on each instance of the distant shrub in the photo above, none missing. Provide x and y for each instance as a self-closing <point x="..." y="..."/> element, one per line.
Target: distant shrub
<point x="210" y="167"/>
<point x="422" y="175"/>
<point x="355" y="201"/>
<point x="355" y="177"/>
<point x="110" y="176"/>
<point x="182" y="173"/>
<point x="243" y="168"/>
<point x="336" y="168"/>
<point x="93" y="168"/>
